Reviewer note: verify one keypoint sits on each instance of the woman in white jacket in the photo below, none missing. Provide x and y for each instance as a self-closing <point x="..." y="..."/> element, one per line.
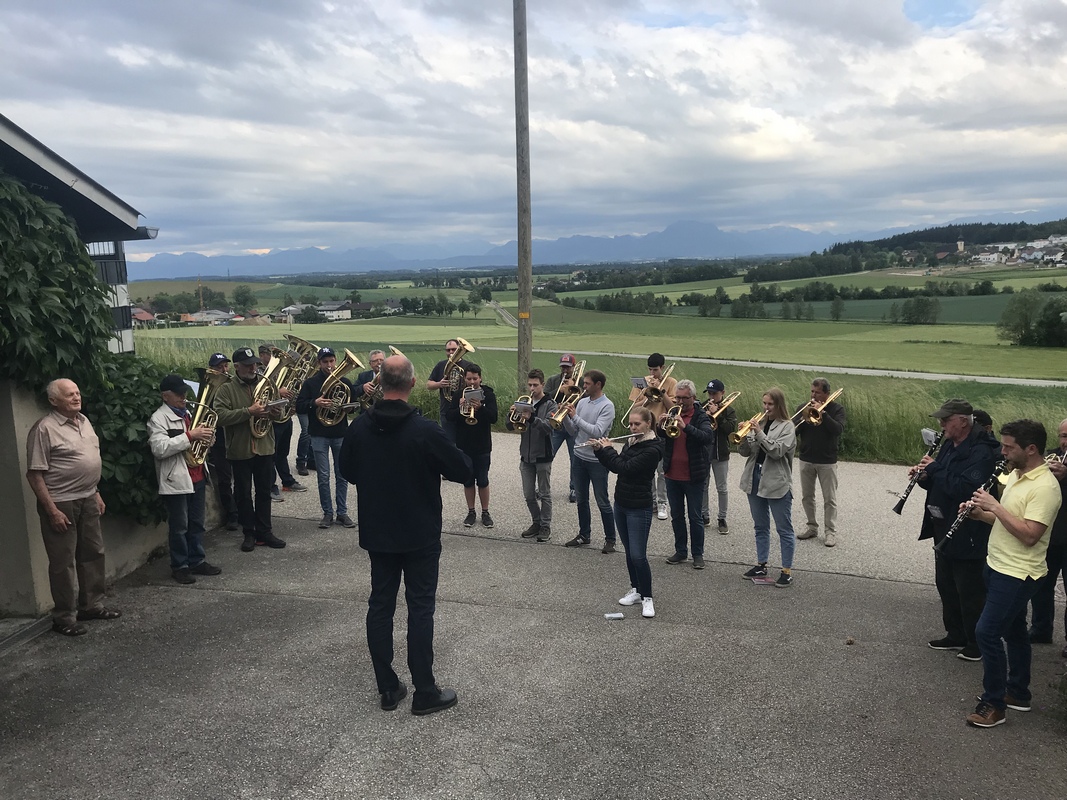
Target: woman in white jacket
<point x="768" y="482"/>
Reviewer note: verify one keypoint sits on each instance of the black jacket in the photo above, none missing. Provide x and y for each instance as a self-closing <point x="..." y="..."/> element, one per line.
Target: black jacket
<point x="950" y="480"/>
<point x="305" y="404"/>
<point x="363" y="378"/>
<point x="636" y="467"/>
<point x="698" y="435"/>
<point x="474" y="439"/>
<point x="535" y="443"/>
<point x="819" y="443"/>
<point x="727" y="425"/>
<point x="396" y="459"/>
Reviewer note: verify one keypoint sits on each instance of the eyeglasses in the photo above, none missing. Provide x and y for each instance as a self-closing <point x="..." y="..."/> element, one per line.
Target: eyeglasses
<point x="451" y="349"/>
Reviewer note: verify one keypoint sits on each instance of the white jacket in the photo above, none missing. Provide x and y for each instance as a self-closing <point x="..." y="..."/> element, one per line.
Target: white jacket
<point x="167" y="439"/>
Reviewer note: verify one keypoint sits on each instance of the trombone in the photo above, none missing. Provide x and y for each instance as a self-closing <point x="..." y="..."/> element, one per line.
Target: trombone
<point x="726" y="401"/>
<point x="811" y="412"/>
<point x="566" y="389"/>
<point x="650" y="394"/>
<point x="746" y="427"/>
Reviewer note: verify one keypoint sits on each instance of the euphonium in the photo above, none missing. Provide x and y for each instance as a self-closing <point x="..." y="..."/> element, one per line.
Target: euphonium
<point x="266" y="392"/>
<point x="367" y="400"/>
<point x="204" y="414"/>
<point x="517" y="420"/>
<point x="301" y="362"/>
<point x="671" y="423"/>
<point x="722" y="407"/>
<point x="453" y="371"/>
<point x="467" y="409"/>
<point x="746" y="427"/>
<point x="337" y="391"/>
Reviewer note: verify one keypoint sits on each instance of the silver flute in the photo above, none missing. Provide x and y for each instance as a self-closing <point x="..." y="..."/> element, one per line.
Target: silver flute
<point x="613" y="439"/>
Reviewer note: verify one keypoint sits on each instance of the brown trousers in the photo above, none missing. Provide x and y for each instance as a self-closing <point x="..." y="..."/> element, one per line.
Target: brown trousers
<point x="75" y="560"/>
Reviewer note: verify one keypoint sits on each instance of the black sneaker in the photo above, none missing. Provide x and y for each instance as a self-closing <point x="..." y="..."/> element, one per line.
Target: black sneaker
<point x="532" y="531"/>
<point x="487" y="521"/>
<point x="326" y="521"/>
<point x="758" y="571"/>
<point x="182" y="575"/>
<point x="577" y="541"/>
<point x="470" y="520"/>
<point x="272" y="541"/>
<point x="698" y="562"/>
<point x="249" y="544"/>
<point x="609" y="547"/>
<point x="706" y="520"/>
<point x="945" y="644"/>
<point x="301" y="470"/>
<point x="723" y="527"/>
<point x="677" y="558"/>
<point x="276" y="495"/>
<point x="573" y="497"/>
<point x="204" y="568"/>
<point x="231" y="525"/>
<point x="346" y="521"/>
<point x="544" y="534"/>
<point x="970" y="653"/>
<point x="785" y="580"/>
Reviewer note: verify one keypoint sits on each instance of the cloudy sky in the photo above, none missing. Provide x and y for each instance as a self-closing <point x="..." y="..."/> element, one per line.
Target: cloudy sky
<point x="244" y="125"/>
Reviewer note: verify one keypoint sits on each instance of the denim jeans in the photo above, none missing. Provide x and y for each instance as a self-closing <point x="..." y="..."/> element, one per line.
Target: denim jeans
<point x="782" y="510"/>
<point x="185" y="523"/>
<point x="634" y="525"/>
<point x="720" y="472"/>
<point x="1003" y="623"/>
<point x="684" y="499"/>
<point x="582" y="473"/>
<point x="304" y="457"/>
<point x="537" y="490"/>
<point x="323" y="446"/>
<point x="558" y="438"/>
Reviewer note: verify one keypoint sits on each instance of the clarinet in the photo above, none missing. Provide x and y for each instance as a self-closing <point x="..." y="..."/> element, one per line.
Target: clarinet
<point x="915" y="478"/>
<point x="998" y="470"/>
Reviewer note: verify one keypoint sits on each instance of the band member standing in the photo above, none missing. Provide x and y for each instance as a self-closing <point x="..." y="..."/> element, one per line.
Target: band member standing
<point x="439" y="381"/>
<point x="818" y="460"/>
<point x="565" y="377"/>
<point x="636" y="468"/>
<point x="591" y="418"/>
<point x="283" y="439"/>
<point x="326" y="440"/>
<point x="396" y="459"/>
<point x="1015" y="563"/>
<point x="252" y="458"/>
<point x="182" y="485"/>
<point x="218" y="465"/>
<point x="63" y="455"/>
<point x="685" y="464"/>
<point x="963" y="463"/>
<point x="768" y="482"/>
<point x="719" y="455"/>
<point x="476" y="440"/>
<point x="535" y="456"/>
<point x="363" y="385"/>
<point x="647" y="398"/>
<point x="1042" y="622"/>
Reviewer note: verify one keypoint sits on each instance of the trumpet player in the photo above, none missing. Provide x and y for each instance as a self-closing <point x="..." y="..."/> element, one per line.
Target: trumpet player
<point x="657" y="397"/>
<point x="181" y="485"/>
<point x="685" y="465"/>
<point x="591" y="418"/>
<point x="818" y="461"/>
<point x="565" y="377"/>
<point x="535" y="456"/>
<point x="475" y="440"/>
<point x="718" y="455"/>
<point x="326" y="441"/>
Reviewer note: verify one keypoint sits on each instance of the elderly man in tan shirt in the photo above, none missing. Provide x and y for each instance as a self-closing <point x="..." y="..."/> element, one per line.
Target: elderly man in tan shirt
<point x="64" y="468"/>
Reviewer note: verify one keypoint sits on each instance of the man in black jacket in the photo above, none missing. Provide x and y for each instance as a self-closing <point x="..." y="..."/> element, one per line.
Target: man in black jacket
<point x="475" y="439"/>
<point x="818" y="460"/>
<point x="364" y="390"/>
<point x="685" y="466"/>
<point x="396" y="459"/>
<point x="718" y="454"/>
<point x="535" y="455"/>
<point x="964" y="462"/>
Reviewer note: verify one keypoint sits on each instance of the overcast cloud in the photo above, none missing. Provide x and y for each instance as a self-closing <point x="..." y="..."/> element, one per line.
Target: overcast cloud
<point x="243" y="125"/>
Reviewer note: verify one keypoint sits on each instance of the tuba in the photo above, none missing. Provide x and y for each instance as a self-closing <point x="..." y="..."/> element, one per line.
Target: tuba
<point x="746" y="427"/>
<point x="266" y="392"/>
<point x="338" y="392"/>
<point x="367" y="400"/>
<point x="671" y="423"/>
<point x="453" y="372"/>
<point x="726" y="401"/>
<point x="300" y="362"/>
<point x="517" y="420"/>
<point x="210" y="381"/>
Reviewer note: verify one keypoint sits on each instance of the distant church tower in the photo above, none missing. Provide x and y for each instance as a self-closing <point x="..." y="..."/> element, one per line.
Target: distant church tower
<point x="959" y="244"/>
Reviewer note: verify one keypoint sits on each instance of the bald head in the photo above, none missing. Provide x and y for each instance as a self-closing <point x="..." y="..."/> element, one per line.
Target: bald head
<point x="398" y="378"/>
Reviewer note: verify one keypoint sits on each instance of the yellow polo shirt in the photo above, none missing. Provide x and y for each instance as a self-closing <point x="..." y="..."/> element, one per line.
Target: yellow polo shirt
<point x="1034" y="496"/>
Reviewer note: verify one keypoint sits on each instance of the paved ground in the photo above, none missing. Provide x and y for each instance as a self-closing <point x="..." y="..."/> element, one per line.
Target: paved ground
<point x="257" y="684"/>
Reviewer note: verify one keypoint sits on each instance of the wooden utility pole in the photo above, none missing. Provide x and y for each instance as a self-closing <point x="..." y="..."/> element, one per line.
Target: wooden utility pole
<point x="522" y="163"/>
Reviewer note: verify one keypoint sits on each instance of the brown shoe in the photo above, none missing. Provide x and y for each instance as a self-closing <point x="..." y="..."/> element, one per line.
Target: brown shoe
<point x="985" y="716"/>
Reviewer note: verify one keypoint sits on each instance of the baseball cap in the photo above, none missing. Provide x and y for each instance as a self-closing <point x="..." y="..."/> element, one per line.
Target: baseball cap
<point x="982" y="418"/>
<point x="715" y="385"/>
<point x="955" y="406"/>
<point x="244" y="355"/>
<point x="567" y="359"/>
<point x="216" y="359"/>
<point x="174" y="383"/>
<point x="264" y="348"/>
<point x="326" y="352"/>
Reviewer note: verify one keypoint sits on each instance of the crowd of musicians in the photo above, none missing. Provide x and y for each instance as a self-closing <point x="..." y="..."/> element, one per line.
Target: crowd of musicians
<point x="993" y="508"/>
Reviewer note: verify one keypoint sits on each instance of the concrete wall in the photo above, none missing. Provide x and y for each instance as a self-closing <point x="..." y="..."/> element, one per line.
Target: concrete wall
<point x="24" y="587"/>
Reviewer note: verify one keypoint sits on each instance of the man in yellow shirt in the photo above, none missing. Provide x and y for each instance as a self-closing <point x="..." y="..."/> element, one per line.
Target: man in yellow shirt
<point x="1021" y="522"/>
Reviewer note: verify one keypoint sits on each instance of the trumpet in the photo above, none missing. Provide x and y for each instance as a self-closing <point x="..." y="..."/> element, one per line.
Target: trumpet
<point x="466" y="407"/>
<point x="517" y="420"/>
<point x="746" y="427"/>
<point x="726" y="401"/>
<point x="560" y="414"/>
<point x="811" y="412"/>
<point x="968" y="507"/>
<point x="671" y="423"/>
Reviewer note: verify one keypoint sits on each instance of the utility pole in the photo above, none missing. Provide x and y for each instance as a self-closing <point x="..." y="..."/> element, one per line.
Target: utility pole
<point x="525" y="228"/>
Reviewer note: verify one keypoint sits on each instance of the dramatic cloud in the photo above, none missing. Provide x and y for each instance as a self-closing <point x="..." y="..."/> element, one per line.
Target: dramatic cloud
<point x="238" y="125"/>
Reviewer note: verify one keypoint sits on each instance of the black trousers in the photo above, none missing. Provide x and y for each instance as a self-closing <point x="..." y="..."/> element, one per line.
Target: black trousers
<point x="962" y="589"/>
<point x="222" y="474"/>
<point x="258" y="472"/>
<point x="420" y="570"/>
<point x="1044" y="600"/>
<point x="283" y="438"/>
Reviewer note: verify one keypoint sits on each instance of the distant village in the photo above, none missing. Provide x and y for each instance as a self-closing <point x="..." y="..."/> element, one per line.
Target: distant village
<point x="328" y="311"/>
<point x="1048" y="252"/>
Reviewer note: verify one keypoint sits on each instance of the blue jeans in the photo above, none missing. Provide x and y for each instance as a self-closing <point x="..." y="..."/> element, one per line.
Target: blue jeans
<point x="634" y="525"/>
<point x="323" y="446"/>
<point x="304" y="457"/>
<point x="558" y="438"/>
<point x="185" y="522"/>
<point x="685" y="499"/>
<point x="1003" y="623"/>
<point x="782" y="510"/>
<point x="582" y="473"/>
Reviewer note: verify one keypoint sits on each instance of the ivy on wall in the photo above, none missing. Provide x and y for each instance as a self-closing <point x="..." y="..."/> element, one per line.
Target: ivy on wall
<point x="57" y="324"/>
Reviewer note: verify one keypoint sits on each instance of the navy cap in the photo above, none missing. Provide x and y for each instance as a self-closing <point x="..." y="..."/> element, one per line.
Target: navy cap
<point x="245" y="355"/>
<point x="715" y="385"/>
<point x="174" y="383"/>
<point x="326" y="352"/>
<point x="216" y="359"/>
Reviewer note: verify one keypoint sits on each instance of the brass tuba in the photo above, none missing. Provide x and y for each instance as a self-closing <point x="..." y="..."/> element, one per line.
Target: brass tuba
<point x="746" y="427"/>
<point x="338" y="392"/>
<point x="300" y="362"/>
<point x="204" y="414"/>
<point x="517" y="420"/>
<point x="726" y="401"/>
<point x="367" y="400"/>
<point x="453" y="372"/>
<point x="671" y="423"/>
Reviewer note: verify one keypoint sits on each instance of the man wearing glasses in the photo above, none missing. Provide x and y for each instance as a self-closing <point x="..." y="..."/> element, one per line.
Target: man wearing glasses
<point x="439" y="381"/>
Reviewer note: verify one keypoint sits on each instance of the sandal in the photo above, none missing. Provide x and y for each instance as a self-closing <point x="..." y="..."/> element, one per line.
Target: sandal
<point x="69" y="630"/>
<point x="100" y="613"/>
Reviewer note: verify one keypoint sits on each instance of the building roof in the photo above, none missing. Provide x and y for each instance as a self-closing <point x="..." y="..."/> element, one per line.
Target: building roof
<point x="100" y="215"/>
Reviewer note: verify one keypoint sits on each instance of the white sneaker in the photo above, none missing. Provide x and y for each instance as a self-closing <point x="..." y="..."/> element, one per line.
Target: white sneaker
<point x="662" y="512"/>
<point x="647" y="609"/>
<point x="632" y="597"/>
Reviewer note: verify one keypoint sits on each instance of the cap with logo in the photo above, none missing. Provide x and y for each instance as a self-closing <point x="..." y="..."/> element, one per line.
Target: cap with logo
<point x="567" y="359"/>
<point x="715" y="385"/>
<point x="326" y="352"/>
<point x="216" y="359"/>
<point x="950" y="407"/>
<point x="174" y="383"/>
<point x="245" y="355"/>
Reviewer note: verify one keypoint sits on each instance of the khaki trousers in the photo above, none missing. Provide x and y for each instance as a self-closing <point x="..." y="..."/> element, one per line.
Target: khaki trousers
<point x="827" y="475"/>
<point x="75" y="560"/>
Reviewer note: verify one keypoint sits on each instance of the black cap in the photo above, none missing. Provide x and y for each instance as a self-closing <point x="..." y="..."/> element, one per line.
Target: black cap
<point x="950" y="407"/>
<point x="715" y="385"/>
<point x="174" y="383"/>
<point x="982" y="418"/>
<point x="216" y="359"/>
<point x="245" y="355"/>
<point x="326" y="352"/>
